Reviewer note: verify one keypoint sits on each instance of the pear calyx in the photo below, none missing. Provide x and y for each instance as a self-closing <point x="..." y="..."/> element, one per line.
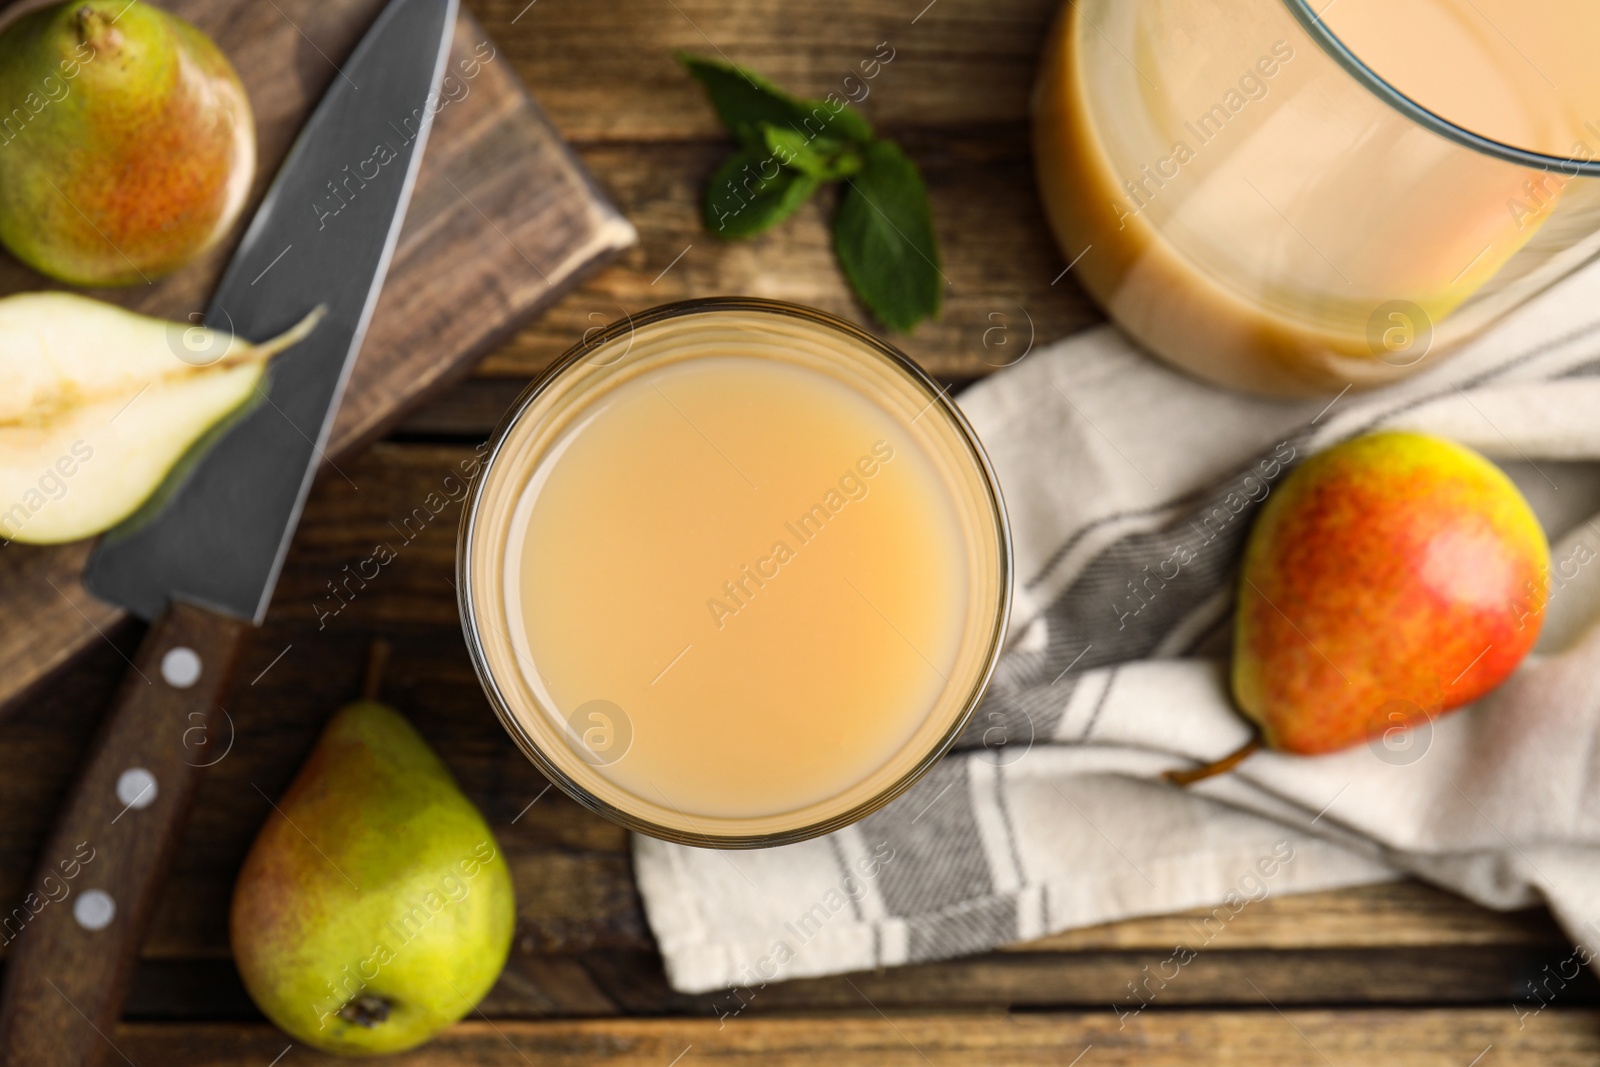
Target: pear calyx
<point x="365" y="1010"/>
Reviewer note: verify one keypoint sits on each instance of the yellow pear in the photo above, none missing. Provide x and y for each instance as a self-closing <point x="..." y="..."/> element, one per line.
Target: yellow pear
<point x="375" y="907"/>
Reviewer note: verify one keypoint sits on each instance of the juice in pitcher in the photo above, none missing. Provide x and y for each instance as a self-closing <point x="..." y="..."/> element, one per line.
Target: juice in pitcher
<point x="1292" y="203"/>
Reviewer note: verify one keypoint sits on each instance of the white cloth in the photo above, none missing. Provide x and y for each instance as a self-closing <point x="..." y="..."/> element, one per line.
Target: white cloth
<point x="1051" y="813"/>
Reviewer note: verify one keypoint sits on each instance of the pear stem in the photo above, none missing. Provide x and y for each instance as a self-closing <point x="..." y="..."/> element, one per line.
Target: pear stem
<point x="1227" y="763"/>
<point x="377" y="660"/>
<point x="252" y="353"/>
<point x="293" y="335"/>
<point x="97" y="31"/>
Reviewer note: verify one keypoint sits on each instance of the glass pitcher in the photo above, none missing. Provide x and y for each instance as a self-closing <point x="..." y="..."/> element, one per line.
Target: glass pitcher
<point x="1253" y="202"/>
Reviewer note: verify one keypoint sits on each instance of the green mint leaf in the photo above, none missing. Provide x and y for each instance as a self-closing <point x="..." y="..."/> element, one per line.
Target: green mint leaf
<point x="822" y="157"/>
<point x="744" y="100"/>
<point x="751" y="192"/>
<point x="793" y="149"/>
<point x="843" y="121"/>
<point x="883" y="234"/>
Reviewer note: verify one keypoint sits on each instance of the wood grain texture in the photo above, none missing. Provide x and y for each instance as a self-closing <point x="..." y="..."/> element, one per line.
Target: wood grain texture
<point x="574" y="882"/>
<point x="956" y="96"/>
<point x="503" y="219"/>
<point x="1005" y="287"/>
<point x="1107" y="981"/>
<point x="610" y="982"/>
<point x="1394" y="915"/>
<point x="1178" y="1039"/>
<point x="582" y="946"/>
<point x="605" y="71"/>
<point x="115" y="837"/>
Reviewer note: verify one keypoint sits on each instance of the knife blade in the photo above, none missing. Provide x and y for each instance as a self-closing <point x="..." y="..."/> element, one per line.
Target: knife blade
<point x="203" y="564"/>
<point x="323" y="235"/>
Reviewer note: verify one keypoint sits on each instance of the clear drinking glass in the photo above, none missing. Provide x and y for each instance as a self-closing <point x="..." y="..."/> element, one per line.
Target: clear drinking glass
<point x="1254" y="203"/>
<point x="613" y="738"/>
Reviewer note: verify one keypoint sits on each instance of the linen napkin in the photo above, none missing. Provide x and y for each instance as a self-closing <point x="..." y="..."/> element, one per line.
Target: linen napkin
<point x="1051" y="814"/>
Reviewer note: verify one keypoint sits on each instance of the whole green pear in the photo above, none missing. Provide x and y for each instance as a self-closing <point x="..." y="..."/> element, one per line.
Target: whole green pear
<point x="375" y="907"/>
<point x="127" y="146"/>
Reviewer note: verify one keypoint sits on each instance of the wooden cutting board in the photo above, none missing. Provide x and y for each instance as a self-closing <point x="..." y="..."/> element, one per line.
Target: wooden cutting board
<point x="502" y="220"/>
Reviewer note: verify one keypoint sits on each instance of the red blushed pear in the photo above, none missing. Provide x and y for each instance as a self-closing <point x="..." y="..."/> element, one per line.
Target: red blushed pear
<point x="127" y="145"/>
<point x="1390" y="579"/>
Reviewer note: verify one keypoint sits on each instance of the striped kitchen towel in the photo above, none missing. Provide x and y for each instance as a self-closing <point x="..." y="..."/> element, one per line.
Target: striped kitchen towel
<point x="1131" y="488"/>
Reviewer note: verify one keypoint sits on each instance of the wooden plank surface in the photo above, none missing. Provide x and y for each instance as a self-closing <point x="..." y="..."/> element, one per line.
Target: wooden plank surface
<point x="1395" y="915"/>
<point x="582" y="947"/>
<point x="503" y="219"/>
<point x="1000" y="266"/>
<point x="604" y="70"/>
<point x="1393" y="974"/>
<point x="955" y="95"/>
<point x="1263" y="1038"/>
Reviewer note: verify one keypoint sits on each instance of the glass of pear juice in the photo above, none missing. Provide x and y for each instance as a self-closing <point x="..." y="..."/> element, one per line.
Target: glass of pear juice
<point x="1294" y="202"/>
<point x="735" y="573"/>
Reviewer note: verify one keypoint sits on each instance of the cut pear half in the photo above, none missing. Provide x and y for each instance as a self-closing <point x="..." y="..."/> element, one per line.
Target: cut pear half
<point x="99" y="405"/>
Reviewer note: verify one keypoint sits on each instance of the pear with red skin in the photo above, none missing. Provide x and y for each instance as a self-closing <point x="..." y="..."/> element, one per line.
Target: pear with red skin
<point x="127" y="146"/>
<point x="1389" y="579"/>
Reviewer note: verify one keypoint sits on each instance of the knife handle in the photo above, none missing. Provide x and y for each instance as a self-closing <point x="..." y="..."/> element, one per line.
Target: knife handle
<point x="75" y="936"/>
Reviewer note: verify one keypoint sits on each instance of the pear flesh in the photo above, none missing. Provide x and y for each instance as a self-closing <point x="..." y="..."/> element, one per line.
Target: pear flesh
<point x="98" y="405"/>
<point x="375" y="907"/>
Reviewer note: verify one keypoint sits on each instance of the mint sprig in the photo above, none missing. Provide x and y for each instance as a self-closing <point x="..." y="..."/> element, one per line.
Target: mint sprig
<point x="787" y="148"/>
<point x="750" y="193"/>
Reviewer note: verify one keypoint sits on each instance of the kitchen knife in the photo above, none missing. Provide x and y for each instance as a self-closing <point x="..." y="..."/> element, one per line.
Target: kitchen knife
<point x="203" y="565"/>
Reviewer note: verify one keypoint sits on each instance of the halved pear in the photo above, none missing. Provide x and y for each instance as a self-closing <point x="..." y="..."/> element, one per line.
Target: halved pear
<point x="98" y="405"/>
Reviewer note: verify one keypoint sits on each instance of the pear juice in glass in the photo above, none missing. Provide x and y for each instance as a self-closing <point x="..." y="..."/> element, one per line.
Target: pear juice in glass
<point x="735" y="573"/>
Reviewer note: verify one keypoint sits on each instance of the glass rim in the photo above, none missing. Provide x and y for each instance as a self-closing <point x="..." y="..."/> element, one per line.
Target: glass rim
<point x="1330" y="43"/>
<point x="938" y="397"/>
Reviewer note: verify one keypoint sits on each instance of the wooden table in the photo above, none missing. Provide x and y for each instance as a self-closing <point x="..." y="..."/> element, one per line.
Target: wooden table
<point x="1399" y="974"/>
